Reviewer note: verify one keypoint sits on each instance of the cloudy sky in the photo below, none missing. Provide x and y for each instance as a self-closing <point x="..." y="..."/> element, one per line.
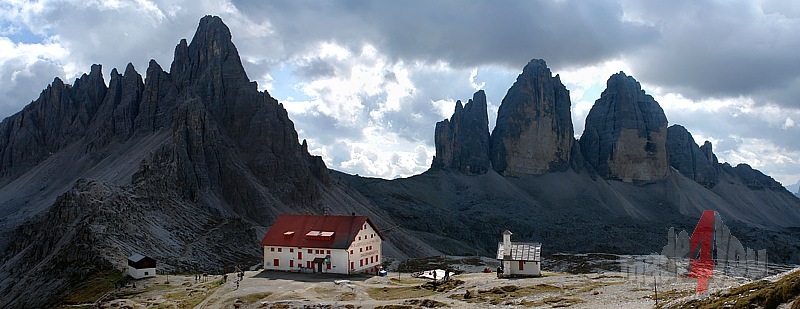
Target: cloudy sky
<point x="366" y="81"/>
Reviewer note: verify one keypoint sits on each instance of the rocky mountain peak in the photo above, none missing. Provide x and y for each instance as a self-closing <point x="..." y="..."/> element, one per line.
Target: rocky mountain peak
<point x="708" y="151"/>
<point x="462" y="142"/>
<point x="689" y="159"/>
<point x="534" y="133"/>
<point x="625" y="133"/>
<point x="211" y="52"/>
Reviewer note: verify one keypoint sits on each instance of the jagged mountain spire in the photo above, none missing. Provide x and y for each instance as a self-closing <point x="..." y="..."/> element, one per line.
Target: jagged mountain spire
<point x="625" y="133"/>
<point x="534" y="133"/>
<point x="462" y="142"/>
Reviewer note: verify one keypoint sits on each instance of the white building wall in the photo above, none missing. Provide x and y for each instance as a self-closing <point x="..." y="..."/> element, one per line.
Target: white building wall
<point x="290" y="260"/>
<point x="529" y="268"/>
<point x="141" y="273"/>
<point x="365" y="251"/>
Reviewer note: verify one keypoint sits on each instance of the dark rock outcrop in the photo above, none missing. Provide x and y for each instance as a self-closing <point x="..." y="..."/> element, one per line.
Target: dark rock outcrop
<point x="708" y="152"/>
<point x="689" y="159"/>
<point x="534" y="133"/>
<point x="752" y="178"/>
<point x="210" y="150"/>
<point x="625" y="134"/>
<point x="462" y="142"/>
<point x="59" y="117"/>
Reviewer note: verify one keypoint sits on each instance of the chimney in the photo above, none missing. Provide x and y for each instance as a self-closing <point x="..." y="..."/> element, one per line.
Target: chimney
<point x="506" y="244"/>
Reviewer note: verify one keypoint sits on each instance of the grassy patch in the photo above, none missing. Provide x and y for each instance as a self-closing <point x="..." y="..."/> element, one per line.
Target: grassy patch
<point x="95" y="287"/>
<point x="554" y="302"/>
<point x="588" y="287"/>
<point x="406" y="280"/>
<point x="190" y="297"/>
<point x="444" y="286"/>
<point x="252" y="298"/>
<point x="426" y="303"/>
<point x="761" y="293"/>
<point x="387" y="293"/>
<point x="667" y="296"/>
<point x="347" y="296"/>
<point x="395" y="307"/>
<point x="506" y="293"/>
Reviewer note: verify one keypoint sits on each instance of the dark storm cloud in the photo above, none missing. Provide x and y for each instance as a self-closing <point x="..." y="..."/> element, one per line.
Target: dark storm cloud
<point x="566" y="33"/>
<point x="314" y="69"/>
<point x="21" y="82"/>
<point x="721" y="49"/>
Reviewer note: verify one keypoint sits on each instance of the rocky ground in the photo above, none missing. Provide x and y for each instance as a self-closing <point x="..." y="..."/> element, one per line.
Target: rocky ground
<point x="267" y="289"/>
<point x="471" y="289"/>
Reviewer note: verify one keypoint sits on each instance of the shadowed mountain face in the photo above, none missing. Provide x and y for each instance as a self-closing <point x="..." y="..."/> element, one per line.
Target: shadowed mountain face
<point x="533" y="134"/>
<point x="462" y="142"/>
<point x="192" y="165"/>
<point x="188" y="166"/>
<point x="626" y="132"/>
<point x="628" y="179"/>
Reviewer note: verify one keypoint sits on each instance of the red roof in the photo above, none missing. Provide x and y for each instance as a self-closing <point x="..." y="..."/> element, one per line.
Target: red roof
<point x="314" y="231"/>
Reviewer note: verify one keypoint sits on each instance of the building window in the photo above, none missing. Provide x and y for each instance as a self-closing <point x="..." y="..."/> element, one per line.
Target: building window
<point x="352" y="265"/>
<point x="329" y="251"/>
<point x="351" y="251"/>
<point x="360" y="249"/>
<point x="272" y="249"/>
<point x="280" y="249"/>
<point x="299" y="255"/>
<point x="291" y="250"/>
<point x="359" y="237"/>
<point x="521" y="265"/>
<point x="276" y="262"/>
<point x="361" y="262"/>
<point x="291" y="263"/>
<point x="309" y="251"/>
<point x="329" y="265"/>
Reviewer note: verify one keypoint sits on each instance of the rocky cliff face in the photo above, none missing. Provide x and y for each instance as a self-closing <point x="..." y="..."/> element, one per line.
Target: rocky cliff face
<point x="534" y="131"/>
<point x="689" y="159"/>
<point x="170" y="159"/>
<point x="462" y="142"/>
<point x="625" y="133"/>
<point x="59" y="117"/>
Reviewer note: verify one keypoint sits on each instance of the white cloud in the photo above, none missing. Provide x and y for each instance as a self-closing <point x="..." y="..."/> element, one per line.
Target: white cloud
<point x="366" y="88"/>
<point x="25" y="70"/>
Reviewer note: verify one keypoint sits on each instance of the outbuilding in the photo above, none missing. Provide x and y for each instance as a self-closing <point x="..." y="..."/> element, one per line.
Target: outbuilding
<point x="323" y="244"/>
<point x="519" y="259"/>
<point x="140" y="266"/>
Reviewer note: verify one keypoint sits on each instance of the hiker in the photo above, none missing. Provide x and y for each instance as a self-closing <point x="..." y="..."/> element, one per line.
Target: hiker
<point x="225" y="278"/>
<point x="434" y="275"/>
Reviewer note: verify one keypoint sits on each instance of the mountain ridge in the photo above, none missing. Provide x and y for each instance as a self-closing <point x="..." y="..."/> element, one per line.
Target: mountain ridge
<point x="191" y="166"/>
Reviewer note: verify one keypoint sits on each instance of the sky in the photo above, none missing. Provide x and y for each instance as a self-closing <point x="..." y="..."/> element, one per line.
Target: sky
<point x="366" y="81"/>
